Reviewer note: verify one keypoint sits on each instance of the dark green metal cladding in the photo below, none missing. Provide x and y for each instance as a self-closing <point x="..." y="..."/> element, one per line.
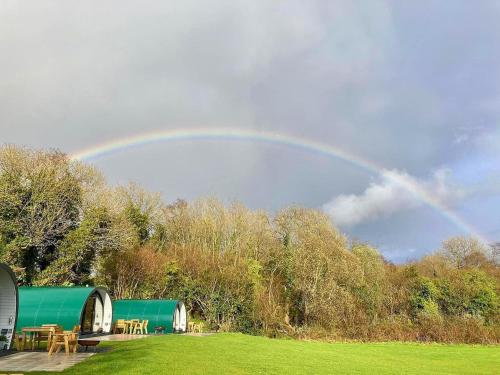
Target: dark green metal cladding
<point x="158" y="312"/>
<point x="51" y="305"/>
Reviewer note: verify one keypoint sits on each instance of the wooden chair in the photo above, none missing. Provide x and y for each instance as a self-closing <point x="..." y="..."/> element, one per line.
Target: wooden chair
<point x="76" y="329"/>
<point x="133" y="325"/>
<point x="45" y="336"/>
<point x="57" y="329"/>
<point x="41" y="336"/>
<point x="198" y="327"/>
<point x="57" y="342"/>
<point x="19" y="342"/>
<point x="68" y="339"/>
<point x="137" y="328"/>
<point x="141" y="327"/>
<point x="120" y="325"/>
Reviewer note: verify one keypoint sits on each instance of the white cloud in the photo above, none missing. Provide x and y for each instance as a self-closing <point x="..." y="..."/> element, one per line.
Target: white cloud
<point x="387" y="197"/>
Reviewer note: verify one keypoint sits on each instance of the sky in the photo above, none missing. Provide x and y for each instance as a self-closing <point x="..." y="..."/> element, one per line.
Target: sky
<point x="413" y="87"/>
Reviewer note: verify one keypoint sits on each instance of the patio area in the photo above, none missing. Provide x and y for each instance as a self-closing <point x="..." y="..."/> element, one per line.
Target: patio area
<point x="40" y="361"/>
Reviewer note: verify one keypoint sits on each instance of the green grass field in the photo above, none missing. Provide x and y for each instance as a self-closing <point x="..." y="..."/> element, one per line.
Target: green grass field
<point x="242" y="354"/>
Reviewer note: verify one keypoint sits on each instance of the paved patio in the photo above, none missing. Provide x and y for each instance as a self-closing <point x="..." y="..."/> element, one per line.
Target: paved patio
<point x="40" y="361"/>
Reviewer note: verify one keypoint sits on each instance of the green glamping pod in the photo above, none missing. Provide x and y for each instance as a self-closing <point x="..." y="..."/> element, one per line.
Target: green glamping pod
<point x="8" y="305"/>
<point x="170" y="314"/>
<point x="90" y="308"/>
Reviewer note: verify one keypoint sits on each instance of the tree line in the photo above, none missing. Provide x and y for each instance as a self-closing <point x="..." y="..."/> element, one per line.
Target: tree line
<point x="292" y="273"/>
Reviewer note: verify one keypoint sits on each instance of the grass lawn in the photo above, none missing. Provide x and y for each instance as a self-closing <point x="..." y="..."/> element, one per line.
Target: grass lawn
<point x="242" y="354"/>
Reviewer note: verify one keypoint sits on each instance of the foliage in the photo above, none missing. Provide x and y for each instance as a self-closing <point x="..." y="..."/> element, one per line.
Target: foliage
<point x="40" y="200"/>
<point x="423" y="297"/>
<point x="288" y="274"/>
<point x="469" y="293"/>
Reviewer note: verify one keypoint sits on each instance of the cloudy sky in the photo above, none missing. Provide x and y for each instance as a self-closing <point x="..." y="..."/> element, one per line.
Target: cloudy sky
<point x="413" y="86"/>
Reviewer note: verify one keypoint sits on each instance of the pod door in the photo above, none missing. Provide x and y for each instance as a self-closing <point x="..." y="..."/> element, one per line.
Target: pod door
<point x="92" y="316"/>
<point x="180" y="318"/>
<point x="177" y="319"/>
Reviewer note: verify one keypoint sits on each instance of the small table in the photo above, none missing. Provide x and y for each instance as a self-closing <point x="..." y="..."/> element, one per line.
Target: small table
<point x="32" y="332"/>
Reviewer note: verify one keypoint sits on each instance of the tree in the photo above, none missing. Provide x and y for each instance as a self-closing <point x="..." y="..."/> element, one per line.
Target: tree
<point x="371" y="292"/>
<point x="319" y="271"/>
<point x="495" y="253"/>
<point x="142" y="208"/>
<point x="40" y="202"/>
<point x="77" y="254"/>
<point x="464" y="251"/>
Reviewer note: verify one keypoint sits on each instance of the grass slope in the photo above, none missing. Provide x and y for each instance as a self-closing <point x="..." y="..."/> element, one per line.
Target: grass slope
<point x="242" y="354"/>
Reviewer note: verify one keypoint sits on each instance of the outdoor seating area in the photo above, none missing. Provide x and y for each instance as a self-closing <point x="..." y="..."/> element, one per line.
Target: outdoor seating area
<point x="195" y="327"/>
<point x="163" y="316"/>
<point x="53" y="335"/>
<point x="59" y="324"/>
<point x="131" y="326"/>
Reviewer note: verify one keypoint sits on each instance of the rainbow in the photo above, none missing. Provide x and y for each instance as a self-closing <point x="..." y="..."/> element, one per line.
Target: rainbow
<point x="231" y="134"/>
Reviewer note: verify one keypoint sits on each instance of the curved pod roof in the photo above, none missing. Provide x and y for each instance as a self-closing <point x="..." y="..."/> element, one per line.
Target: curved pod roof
<point x="170" y="314"/>
<point x="89" y="307"/>
<point x="8" y="303"/>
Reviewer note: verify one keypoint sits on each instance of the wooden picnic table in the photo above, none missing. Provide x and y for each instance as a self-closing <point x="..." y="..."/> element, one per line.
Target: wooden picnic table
<point x="30" y="333"/>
